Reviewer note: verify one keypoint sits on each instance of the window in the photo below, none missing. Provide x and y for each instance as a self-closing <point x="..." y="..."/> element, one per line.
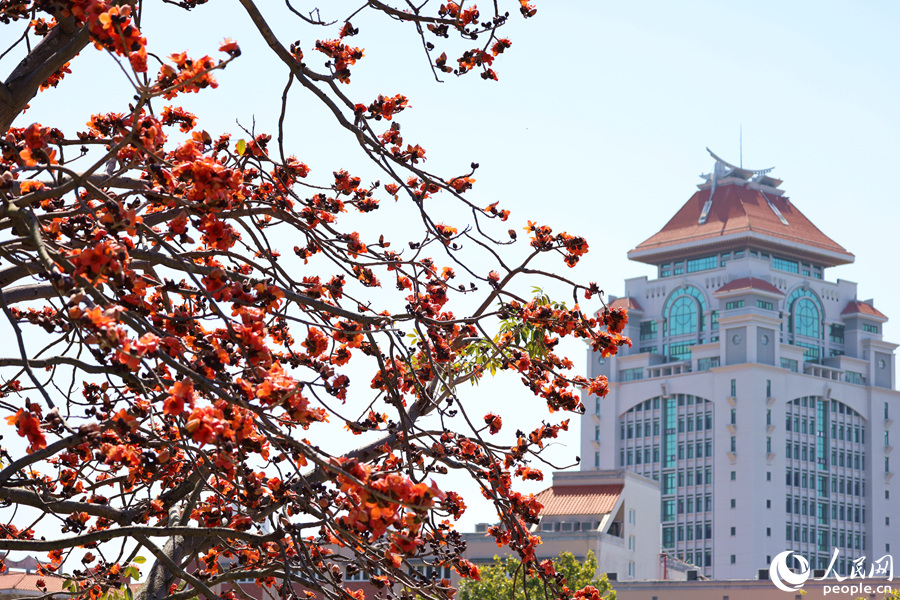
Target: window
<point x="854" y="377"/>
<point x="635" y="374"/>
<point x="804" y="312"/>
<point x="785" y="265"/>
<point x="733" y="530"/>
<point x="869" y="328"/>
<point x="631" y="516"/>
<point x="813" y="352"/>
<point x="733" y="559"/>
<point x="668" y="510"/>
<point x="734" y="304"/>
<point x="668" y="486"/>
<point x="836" y="334"/>
<point x="734" y="388"/>
<point x="680" y="351"/>
<point x="631" y="568"/>
<point x="733" y="475"/>
<point x="631" y="543"/>
<point x="352" y="573"/>
<point x="705" y="364"/>
<point x="648" y="330"/>
<point x="733" y="503"/>
<point x="733" y="443"/>
<point x="765" y="305"/>
<point x="790" y="364"/>
<point x="684" y="310"/>
<point x="668" y="537"/>
<point x="701" y="264"/>
<point x="806" y="318"/>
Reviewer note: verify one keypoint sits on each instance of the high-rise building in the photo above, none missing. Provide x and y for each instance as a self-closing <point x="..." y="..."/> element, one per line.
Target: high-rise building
<point x="758" y="393"/>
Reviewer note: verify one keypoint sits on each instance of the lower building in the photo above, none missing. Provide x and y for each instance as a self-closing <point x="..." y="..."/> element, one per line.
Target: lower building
<point x="614" y="514"/>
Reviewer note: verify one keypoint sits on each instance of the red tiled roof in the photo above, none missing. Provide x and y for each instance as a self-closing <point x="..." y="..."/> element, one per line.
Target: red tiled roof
<point x="863" y="308"/>
<point x="746" y="283"/>
<point x="737" y="209"/>
<point x="579" y="499"/>
<point x="627" y="303"/>
<point x="28" y="581"/>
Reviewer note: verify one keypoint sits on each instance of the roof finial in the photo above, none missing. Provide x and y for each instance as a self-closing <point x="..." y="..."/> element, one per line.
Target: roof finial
<point x="735" y="168"/>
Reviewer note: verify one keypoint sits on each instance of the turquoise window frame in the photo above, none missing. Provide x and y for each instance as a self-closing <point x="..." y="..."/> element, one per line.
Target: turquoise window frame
<point x="685" y="303"/>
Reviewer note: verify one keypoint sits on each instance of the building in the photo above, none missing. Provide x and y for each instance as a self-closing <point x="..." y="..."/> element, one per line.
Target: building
<point x="613" y="513"/>
<point x="758" y="393"/>
<point x="20" y="579"/>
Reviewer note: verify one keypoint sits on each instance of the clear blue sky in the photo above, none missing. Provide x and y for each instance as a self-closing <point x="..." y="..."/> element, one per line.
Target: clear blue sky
<point x="601" y="115"/>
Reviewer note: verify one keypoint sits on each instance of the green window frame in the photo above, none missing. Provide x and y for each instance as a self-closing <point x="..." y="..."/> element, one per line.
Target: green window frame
<point x="783" y="264"/>
<point x="684" y="311"/>
<point x="701" y="264"/>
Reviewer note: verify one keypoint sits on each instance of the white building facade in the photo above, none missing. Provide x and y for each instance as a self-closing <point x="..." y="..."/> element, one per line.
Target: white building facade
<point x="759" y="394"/>
<point x="612" y="513"/>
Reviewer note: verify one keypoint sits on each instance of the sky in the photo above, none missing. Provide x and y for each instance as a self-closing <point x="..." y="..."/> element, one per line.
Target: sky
<point x="599" y="121"/>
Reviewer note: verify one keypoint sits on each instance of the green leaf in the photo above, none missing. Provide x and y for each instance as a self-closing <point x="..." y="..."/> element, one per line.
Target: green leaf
<point x="140" y="559"/>
<point x="241" y="147"/>
<point x="128" y="594"/>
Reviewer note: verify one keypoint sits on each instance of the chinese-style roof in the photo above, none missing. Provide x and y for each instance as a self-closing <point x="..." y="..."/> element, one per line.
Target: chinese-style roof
<point x="28" y="582"/>
<point x="864" y="308"/>
<point x="741" y="212"/>
<point x="748" y="283"/>
<point x="579" y="499"/>
<point x="628" y="303"/>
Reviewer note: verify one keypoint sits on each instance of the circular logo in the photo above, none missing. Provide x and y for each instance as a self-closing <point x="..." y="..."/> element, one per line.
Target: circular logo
<point x="783" y="577"/>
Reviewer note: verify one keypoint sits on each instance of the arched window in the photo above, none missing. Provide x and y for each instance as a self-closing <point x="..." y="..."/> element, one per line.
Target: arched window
<point x="806" y="316"/>
<point x="683" y="316"/>
<point x="805" y="313"/>
<point x="684" y="311"/>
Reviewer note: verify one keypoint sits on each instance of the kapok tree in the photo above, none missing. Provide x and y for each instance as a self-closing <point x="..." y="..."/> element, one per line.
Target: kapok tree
<point x="166" y="364"/>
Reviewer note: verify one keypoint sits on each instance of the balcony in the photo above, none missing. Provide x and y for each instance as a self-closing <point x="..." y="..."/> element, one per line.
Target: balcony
<point x="822" y="371"/>
<point x="667" y="369"/>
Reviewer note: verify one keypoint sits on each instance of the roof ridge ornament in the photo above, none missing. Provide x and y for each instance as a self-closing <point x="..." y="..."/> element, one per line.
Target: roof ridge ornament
<point x="756" y="178"/>
<point x="733" y="168"/>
